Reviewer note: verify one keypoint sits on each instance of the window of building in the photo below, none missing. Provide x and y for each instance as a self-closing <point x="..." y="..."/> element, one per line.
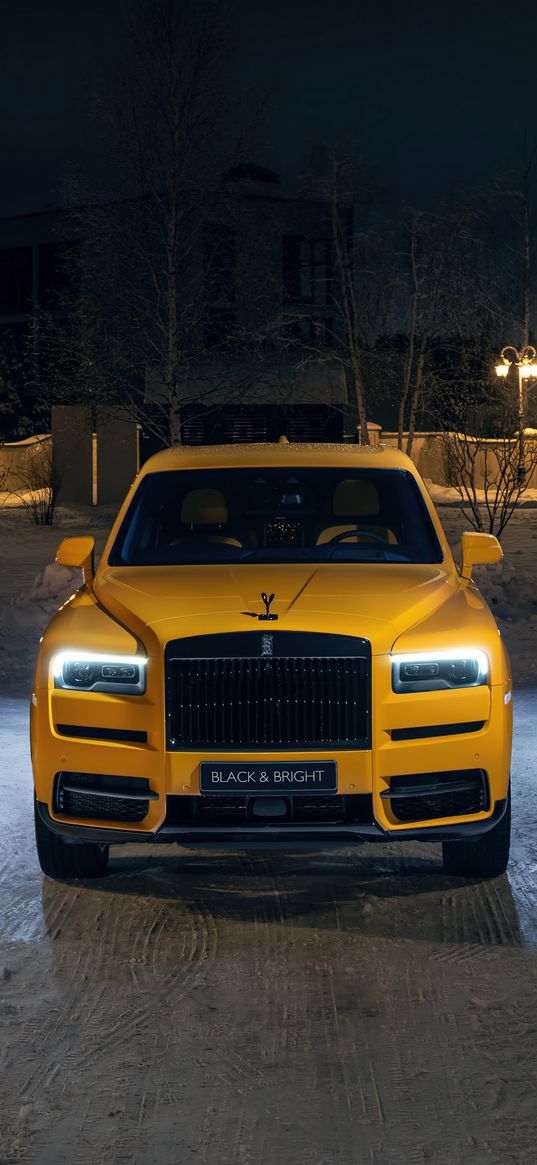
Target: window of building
<point x="57" y="273"/>
<point x="15" y="280"/>
<point x="219" y="262"/>
<point x="220" y="323"/>
<point x="306" y="269"/>
<point x="241" y="423"/>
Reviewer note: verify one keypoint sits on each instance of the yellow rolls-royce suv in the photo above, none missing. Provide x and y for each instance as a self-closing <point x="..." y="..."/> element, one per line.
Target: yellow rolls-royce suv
<point x="275" y="649"/>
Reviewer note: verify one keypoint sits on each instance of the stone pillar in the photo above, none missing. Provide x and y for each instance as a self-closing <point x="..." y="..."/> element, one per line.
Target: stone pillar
<point x="72" y="453"/>
<point x="375" y="433"/>
<point x="117" y="454"/>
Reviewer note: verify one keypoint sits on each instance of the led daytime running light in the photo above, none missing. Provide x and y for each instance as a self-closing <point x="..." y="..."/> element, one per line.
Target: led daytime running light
<point x="446" y="657"/>
<point x="64" y="657"/>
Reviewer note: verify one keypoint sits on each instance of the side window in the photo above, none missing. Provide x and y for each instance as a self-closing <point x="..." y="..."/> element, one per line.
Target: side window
<point x="58" y="272"/>
<point x="306" y="269"/>
<point x="219" y="262"/>
<point x="16" y="295"/>
<point x="219" y="257"/>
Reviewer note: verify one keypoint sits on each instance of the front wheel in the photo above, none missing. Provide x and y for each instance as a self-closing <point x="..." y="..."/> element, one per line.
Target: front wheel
<point x="62" y="859"/>
<point x="486" y="856"/>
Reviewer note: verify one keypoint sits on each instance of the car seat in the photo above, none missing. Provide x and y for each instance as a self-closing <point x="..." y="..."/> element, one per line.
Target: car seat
<point x="205" y="514"/>
<point x="355" y="501"/>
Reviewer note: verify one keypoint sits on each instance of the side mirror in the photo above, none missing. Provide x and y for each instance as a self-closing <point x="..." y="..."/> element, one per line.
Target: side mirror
<point x="478" y="548"/>
<point x="75" y="552"/>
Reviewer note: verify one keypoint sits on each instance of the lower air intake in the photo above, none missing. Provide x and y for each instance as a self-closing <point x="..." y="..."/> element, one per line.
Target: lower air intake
<point x="229" y="811"/>
<point x="91" y="795"/>
<point x="427" y="796"/>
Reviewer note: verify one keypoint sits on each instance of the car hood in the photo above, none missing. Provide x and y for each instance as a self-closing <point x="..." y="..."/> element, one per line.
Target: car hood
<point x="377" y="602"/>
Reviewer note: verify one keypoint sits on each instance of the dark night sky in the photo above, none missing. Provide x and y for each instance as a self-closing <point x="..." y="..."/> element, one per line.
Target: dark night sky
<point x="437" y="94"/>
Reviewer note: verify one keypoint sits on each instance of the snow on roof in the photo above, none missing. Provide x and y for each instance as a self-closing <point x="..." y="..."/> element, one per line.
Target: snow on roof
<point x="275" y="453"/>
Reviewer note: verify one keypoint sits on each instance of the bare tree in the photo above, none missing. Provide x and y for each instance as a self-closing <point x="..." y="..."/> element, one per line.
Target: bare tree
<point x="156" y="255"/>
<point x="485" y="474"/>
<point x="21" y="404"/>
<point x="482" y="452"/>
<point x="435" y="274"/>
<point x="522" y="196"/>
<point x="39" y="483"/>
<point x="355" y="308"/>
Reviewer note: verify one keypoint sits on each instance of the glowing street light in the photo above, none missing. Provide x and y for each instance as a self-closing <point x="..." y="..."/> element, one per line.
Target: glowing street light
<point x="526" y="363"/>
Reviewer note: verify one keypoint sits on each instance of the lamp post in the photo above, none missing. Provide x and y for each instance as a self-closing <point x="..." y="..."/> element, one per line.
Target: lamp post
<point x="526" y="363"/>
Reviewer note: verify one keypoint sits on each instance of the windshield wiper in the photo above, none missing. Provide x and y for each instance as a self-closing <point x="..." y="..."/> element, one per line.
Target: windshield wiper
<point x="380" y="554"/>
<point x="275" y="554"/>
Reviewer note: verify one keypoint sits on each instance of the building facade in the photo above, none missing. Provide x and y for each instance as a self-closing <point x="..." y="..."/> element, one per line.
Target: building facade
<point x="264" y="264"/>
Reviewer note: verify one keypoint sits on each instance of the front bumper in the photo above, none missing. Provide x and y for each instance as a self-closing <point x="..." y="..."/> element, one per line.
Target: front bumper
<point x="272" y="836"/>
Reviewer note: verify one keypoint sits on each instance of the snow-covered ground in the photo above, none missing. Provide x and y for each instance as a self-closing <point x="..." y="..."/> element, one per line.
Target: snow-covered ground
<point x="32" y="587"/>
<point x="209" y="1007"/>
<point x="449" y="496"/>
<point x="510" y="587"/>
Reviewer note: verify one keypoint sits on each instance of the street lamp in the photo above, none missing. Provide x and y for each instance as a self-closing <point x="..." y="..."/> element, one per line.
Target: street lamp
<point x="526" y="362"/>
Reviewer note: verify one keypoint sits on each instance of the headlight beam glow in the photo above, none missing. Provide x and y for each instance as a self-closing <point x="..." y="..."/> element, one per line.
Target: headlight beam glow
<point x="92" y="672"/>
<point x="435" y="671"/>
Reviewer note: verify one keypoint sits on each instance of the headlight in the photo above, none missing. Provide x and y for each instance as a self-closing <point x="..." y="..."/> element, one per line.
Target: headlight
<point x="431" y="671"/>
<point x="82" y="671"/>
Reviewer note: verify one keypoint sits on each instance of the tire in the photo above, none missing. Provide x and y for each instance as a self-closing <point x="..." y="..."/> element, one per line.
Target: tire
<point x="62" y="859"/>
<point x="486" y="857"/>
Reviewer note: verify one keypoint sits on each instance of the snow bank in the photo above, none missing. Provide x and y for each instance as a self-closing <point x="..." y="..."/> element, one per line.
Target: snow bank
<point x="447" y="495"/>
<point x="53" y="586"/>
<point x="23" y="621"/>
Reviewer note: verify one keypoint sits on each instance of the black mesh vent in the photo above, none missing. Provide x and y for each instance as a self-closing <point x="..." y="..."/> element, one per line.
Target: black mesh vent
<point x="250" y="700"/>
<point x="221" y="811"/>
<point x="74" y="802"/>
<point x="234" y="811"/>
<point x="464" y="793"/>
<point x="102" y="808"/>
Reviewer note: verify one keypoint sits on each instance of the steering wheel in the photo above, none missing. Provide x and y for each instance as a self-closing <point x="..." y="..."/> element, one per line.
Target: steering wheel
<point x="350" y="534"/>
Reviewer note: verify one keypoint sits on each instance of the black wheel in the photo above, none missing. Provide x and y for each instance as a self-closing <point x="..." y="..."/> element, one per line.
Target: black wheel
<point x="62" y="859"/>
<point x="486" y="857"/>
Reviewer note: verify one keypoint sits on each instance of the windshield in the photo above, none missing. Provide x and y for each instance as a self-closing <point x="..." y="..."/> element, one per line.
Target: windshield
<point x="276" y="515"/>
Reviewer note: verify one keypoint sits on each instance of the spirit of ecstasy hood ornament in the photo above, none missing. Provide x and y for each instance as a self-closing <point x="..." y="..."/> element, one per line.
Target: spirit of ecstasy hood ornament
<point x="268" y="600"/>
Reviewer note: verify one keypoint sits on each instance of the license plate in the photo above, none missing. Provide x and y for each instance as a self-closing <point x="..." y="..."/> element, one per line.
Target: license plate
<point x="282" y="778"/>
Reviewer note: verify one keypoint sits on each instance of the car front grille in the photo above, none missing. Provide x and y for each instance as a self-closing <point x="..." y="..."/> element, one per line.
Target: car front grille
<point x="311" y="691"/>
<point x="431" y="795"/>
